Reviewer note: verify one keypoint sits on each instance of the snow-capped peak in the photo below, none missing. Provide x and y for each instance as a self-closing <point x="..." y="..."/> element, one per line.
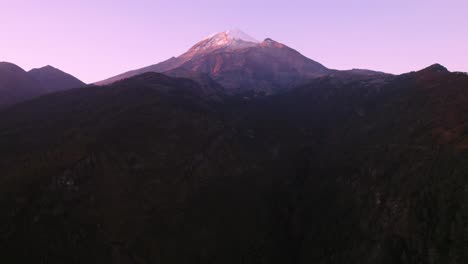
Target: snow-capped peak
<point x="227" y="40"/>
<point x="237" y="34"/>
<point x="233" y="34"/>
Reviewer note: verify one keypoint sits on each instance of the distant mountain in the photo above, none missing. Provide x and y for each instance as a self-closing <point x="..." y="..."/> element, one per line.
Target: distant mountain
<point x="348" y="168"/>
<point x="240" y="63"/>
<point x="54" y="80"/>
<point x="17" y="85"/>
<point x="223" y="41"/>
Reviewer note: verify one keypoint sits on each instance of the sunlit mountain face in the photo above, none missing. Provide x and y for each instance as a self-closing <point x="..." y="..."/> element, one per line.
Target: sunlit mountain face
<point x="240" y="64"/>
<point x="237" y="151"/>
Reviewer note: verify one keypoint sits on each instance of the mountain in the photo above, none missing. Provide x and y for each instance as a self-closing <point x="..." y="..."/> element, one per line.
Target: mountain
<point x="54" y="80"/>
<point x="227" y="40"/>
<point x="240" y="63"/>
<point x="17" y="85"/>
<point x="347" y="168"/>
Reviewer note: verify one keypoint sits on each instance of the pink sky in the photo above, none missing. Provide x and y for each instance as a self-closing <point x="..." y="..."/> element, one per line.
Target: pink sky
<point x="96" y="39"/>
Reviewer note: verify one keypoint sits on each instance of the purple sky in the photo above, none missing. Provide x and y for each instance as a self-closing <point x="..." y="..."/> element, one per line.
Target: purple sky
<point x="96" y="39"/>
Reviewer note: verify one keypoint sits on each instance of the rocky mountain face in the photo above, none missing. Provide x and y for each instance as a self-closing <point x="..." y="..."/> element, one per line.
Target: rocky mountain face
<point x="17" y="85"/>
<point x="268" y="67"/>
<point x="223" y="41"/>
<point x="240" y="64"/>
<point x="348" y="168"/>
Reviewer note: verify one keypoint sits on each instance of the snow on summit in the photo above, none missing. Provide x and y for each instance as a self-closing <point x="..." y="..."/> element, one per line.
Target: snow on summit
<point x="237" y="34"/>
<point x="233" y="34"/>
<point x="229" y="40"/>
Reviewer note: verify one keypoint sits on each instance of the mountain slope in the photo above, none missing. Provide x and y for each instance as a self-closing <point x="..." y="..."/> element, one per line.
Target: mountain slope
<point x="267" y="67"/>
<point x="368" y="169"/>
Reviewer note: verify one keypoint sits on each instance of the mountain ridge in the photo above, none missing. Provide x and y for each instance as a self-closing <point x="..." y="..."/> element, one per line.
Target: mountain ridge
<point x="18" y="85"/>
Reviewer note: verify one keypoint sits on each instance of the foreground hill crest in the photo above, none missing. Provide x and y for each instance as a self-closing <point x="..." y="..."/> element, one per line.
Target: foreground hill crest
<point x="156" y="169"/>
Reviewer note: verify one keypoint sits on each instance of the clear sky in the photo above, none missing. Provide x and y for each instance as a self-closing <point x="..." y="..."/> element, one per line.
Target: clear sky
<point x="96" y="39"/>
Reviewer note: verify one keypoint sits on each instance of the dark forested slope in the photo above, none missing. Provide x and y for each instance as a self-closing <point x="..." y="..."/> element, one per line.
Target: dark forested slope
<point x="156" y="169"/>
